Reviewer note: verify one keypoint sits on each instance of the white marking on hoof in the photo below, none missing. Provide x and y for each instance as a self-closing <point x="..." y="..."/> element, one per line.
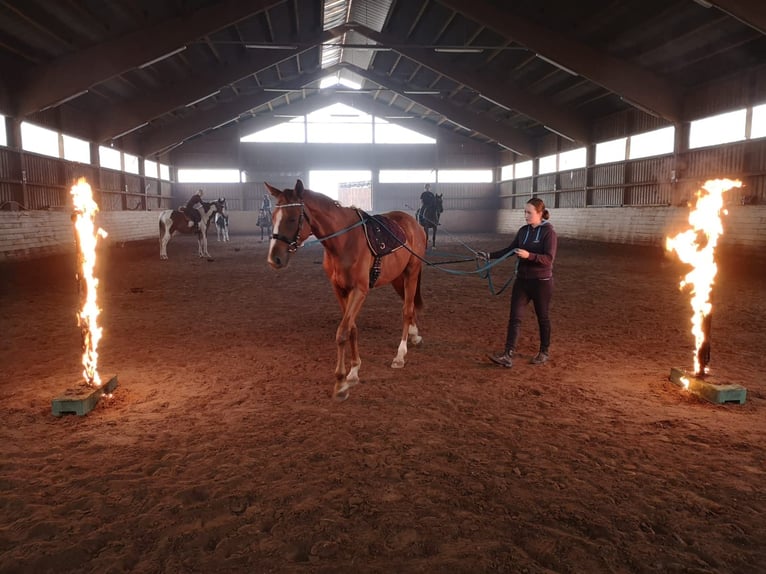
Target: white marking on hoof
<point x="341" y="394"/>
<point x="397" y="363"/>
<point x="416" y="340"/>
<point x="353" y="377"/>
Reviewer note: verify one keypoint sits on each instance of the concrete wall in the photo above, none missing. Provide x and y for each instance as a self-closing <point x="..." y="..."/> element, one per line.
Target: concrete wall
<point x="31" y="234"/>
<point x="744" y="226"/>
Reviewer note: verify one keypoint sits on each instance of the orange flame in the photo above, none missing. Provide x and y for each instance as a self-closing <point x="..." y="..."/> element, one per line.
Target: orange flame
<point x="696" y="246"/>
<point x="84" y="217"/>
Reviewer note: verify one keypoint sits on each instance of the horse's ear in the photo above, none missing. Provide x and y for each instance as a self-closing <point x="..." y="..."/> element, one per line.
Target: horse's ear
<point x="299" y="188"/>
<point x="272" y="190"/>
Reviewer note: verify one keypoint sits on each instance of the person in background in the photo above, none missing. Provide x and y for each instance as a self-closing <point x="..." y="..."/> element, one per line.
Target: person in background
<point x="535" y="247"/>
<point x="194" y="208"/>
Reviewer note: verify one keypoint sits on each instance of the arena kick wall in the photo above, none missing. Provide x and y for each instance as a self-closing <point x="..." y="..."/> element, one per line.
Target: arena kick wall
<point x="32" y="234"/>
<point x="744" y="226"/>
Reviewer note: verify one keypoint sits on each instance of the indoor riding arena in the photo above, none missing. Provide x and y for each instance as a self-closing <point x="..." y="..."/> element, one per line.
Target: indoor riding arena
<point x="170" y="387"/>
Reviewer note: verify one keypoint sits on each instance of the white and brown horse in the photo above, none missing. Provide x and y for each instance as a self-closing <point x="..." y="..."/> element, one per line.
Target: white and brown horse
<point x="361" y="251"/>
<point x="174" y="221"/>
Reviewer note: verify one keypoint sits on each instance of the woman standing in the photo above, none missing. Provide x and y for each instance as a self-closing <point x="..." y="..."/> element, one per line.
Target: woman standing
<point x="535" y="247"/>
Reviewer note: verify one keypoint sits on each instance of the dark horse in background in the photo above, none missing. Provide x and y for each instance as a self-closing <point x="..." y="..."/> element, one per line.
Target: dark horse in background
<point x="429" y="213"/>
<point x="361" y="251"/>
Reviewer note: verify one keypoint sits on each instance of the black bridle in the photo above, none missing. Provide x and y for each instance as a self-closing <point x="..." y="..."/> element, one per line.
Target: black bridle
<point x="292" y="245"/>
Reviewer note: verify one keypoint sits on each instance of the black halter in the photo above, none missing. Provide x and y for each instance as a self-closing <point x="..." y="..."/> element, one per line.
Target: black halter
<point x="292" y="246"/>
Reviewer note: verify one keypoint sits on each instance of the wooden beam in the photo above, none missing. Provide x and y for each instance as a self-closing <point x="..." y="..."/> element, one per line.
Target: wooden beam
<point x="749" y="12"/>
<point x="566" y="122"/>
<point x="161" y="138"/>
<point x="636" y="85"/>
<point x="509" y="138"/>
<point x="51" y="84"/>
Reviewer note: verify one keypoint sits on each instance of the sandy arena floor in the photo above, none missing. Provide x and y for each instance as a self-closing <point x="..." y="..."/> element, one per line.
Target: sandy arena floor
<point x="221" y="451"/>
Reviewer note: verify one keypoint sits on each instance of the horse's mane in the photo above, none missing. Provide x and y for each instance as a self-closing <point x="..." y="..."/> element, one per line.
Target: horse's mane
<point x="323" y="200"/>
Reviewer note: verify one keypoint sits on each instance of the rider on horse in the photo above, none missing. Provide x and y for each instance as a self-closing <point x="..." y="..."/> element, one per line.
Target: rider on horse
<point x="426" y="198"/>
<point x="194" y="208"/>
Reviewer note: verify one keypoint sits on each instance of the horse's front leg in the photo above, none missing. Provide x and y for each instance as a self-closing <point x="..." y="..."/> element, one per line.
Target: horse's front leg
<point x="202" y="242"/>
<point x="347" y="334"/>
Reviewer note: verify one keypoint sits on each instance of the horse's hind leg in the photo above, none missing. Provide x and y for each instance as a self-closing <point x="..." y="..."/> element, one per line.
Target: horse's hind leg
<point x="164" y="239"/>
<point x="406" y="289"/>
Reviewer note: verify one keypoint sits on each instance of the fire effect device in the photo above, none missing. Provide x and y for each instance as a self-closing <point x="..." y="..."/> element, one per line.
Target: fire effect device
<point x="696" y="246"/>
<point x="83" y="399"/>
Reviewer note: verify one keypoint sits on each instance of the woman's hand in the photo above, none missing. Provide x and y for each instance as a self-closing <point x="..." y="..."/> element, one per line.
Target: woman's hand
<point x="522" y="253"/>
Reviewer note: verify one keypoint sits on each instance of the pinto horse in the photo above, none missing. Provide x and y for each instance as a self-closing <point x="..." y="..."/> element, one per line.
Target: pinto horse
<point x="351" y="264"/>
<point x="429" y="213"/>
<point x="174" y="221"/>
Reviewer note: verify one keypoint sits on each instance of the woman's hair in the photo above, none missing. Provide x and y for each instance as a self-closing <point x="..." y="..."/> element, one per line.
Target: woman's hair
<point x="539" y="206"/>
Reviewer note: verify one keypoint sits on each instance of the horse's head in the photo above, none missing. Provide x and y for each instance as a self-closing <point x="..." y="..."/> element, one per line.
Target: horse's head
<point x="289" y="222"/>
<point x="220" y="205"/>
<point x="438" y="203"/>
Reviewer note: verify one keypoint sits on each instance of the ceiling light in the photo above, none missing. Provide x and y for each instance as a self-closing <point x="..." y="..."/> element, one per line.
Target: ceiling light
<point x="271" y="46"/>
<point x="566" y="137"/>
<point x="704" y="4"/>
<point x="371" y="47"/>
<point x="559" y="66"/>
<point x="65" y="100"/>
<point x="422" y="92"/>
<point x="458" y="50"/>
<point x="398" y="117"/>
<point x="491" y="101"/>
<point x="203" y="98"/>
<point x="126" y="132"/>
<point x="159" y="59"/>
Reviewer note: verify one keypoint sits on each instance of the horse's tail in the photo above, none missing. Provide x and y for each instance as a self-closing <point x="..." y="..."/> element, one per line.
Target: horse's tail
<point x="418" y="296"/>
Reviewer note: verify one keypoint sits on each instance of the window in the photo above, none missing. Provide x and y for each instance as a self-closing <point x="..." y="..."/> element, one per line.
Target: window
<point x="76" y="149"/>
<point x="720" y="129"/>
<point x="108" y="157"/>
<point x="523" y="169"/>
<point x="338" y="123"/>
<point x="648" y="144"/>
<point x="39" y="140"/>
<point x="506" y="172"/>
<point x="208" y="176"/>
<point x="464" y="176"/>
<point x="388" y="133"/>
<point x="293" y="131"/>
<point x="150" y="168"/>
<point x="165" y="172"/>
<point x="758" y="127"/>
<point x="611" y="151"/>
<point x="3" y="133"/>
<point x="131" y="163"/>
<point x="573" y="159"/>
<point x="407" y="176"/>
<point x="547" y="164"/>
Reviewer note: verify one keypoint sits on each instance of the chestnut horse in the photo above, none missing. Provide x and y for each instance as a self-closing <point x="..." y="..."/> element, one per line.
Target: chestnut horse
<point x="351" y="265"/>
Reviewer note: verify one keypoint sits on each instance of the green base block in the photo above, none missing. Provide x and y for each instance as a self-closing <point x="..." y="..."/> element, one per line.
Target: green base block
<point x="709" y="390"/>
<point x="83" y="400"/>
